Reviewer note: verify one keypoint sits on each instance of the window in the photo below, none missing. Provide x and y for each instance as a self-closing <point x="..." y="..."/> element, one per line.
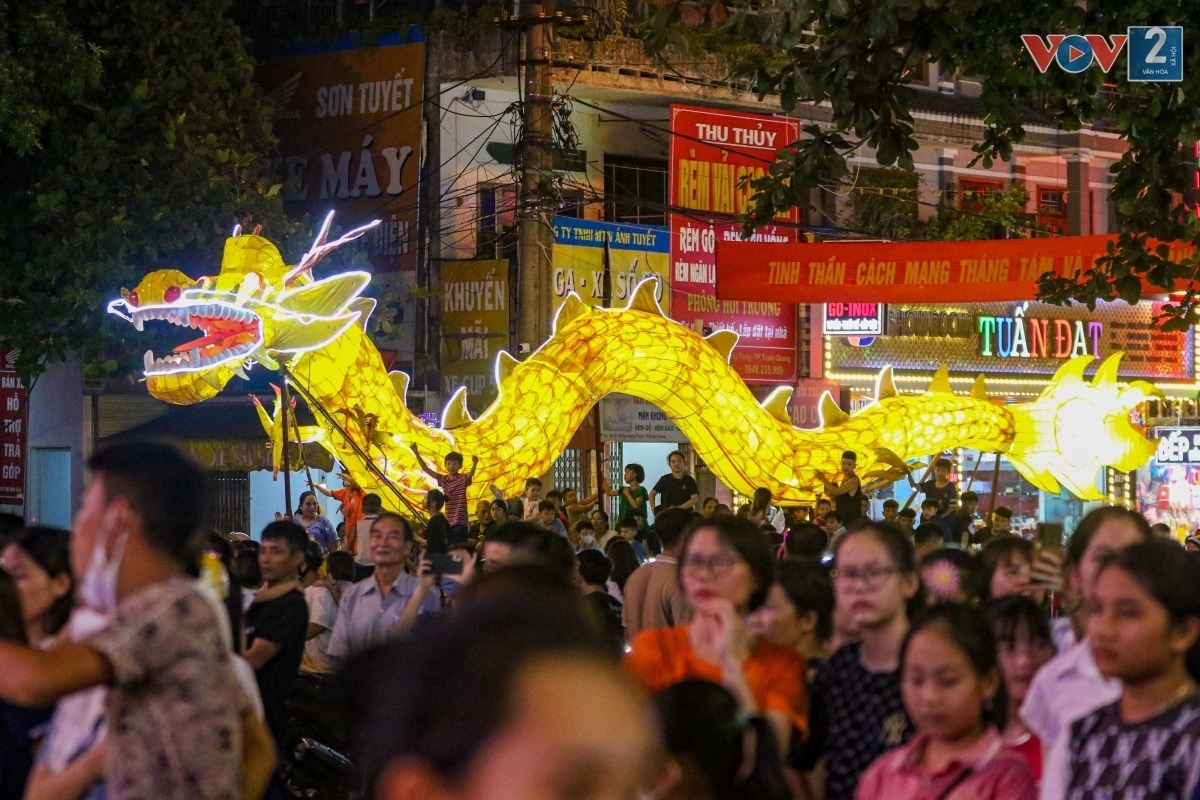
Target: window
<point x="1052" y="211"/>
<point x="635" y="190"/>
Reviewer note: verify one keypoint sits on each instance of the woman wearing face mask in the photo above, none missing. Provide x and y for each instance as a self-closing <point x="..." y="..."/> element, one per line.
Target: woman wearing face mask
<point x="38" y="560"/>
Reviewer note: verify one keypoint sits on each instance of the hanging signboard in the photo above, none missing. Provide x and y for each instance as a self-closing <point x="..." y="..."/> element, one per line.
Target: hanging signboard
<point x="711" y="152"/>
<point x="13" y="452"/>
<point x="1178" y="446"/>
<point x="630" y="419"/>
<point x="854" y="319"/>
<point x="635" y="253"/>
<point x="475" y="320"/>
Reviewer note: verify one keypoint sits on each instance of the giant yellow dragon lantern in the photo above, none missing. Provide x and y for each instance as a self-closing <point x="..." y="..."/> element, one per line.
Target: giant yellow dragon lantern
<point x="258" y="310"/>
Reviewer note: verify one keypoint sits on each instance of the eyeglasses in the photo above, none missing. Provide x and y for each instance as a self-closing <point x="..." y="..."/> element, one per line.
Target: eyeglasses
<point x="872" y="576"/>
<point x="719" y="564"/>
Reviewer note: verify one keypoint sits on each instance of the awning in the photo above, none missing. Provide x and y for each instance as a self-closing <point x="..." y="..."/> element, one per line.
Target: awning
<point x="226" y="437"/>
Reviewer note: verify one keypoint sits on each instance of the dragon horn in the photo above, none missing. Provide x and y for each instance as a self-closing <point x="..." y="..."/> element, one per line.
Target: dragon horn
<point x="456" y="414"/>
<point x="979" y="388"/>
<point x="941" y="381"/>
<point x="571" y="309"/>
<point x="320" y="248"/>
<point x="723" y="342"/>
<point x="1106" y="373"/>
<point x="505" y="364"/>
<point x="829" y="412"/>
<point x="885" y="384"/>
<point x="645" y="298"/>
<point x="776" y="404"/>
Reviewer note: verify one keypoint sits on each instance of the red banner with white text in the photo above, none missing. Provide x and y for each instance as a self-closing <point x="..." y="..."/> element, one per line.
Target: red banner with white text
<point x="711" y="151"/>
<point x="907" y="272"/>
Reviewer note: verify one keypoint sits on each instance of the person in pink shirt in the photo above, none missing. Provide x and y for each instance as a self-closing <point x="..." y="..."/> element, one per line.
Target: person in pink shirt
<point x="952" y="689"/>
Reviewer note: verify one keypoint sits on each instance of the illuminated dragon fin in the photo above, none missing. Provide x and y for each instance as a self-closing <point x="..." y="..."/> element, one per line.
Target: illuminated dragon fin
<point x="1106" y="373"/>
<point x="456" y="414"/>
<point x="885" y="384"/>
<point x="645" y="298"/>
<point x="776" y="404"/>
<point x="326" y="297"/>
<point x="322" y="247"/>
<point x="400" y="384"/>
<point x="364" y="307"/>
<point x="941" y="381"/>
<point x="297" y="336"/>
<point x="505" y="363"/>
<point x="723" y="342"/>
<point x="571" y="310"/>
<point x="979" y="388"/>
<point x="829" y="412"/>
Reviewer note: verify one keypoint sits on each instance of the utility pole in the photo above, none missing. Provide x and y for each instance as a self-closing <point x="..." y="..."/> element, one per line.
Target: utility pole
<point x="535" y="227"/>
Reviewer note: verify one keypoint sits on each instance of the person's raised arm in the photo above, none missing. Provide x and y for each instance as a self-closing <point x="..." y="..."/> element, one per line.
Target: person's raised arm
<point x="474" y="466"/>
<point x="37" y="678"/>
<point x="425" y="580"/>
<point x="425" y="467"/>
<point x="323" y="489"/>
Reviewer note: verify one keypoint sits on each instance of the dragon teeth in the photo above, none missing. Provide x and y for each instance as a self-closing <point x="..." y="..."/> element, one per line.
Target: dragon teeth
<point x="194" y="356"/>
<point x="148" y="359"/>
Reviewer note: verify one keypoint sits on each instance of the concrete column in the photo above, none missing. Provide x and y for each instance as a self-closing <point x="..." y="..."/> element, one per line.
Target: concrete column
<point x="1079" y="193"/>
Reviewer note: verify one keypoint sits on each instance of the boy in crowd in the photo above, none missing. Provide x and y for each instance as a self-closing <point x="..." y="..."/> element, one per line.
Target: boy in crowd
<point x="676" y="489"/>
<point x="906" y="518"/>
<point x="548" y="518"/>
<point x="891" y="507"/>
<point x="453" y="484"/>
<point x="962" y="524"/>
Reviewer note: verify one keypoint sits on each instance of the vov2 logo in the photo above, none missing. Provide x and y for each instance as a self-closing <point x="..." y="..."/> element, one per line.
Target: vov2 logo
<point x="1155" y="52"/>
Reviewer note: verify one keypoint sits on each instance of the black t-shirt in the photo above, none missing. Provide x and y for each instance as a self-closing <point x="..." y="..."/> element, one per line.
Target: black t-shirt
<point x="671" y="491"/>
<point x="284" y="623"/>
<point x="944" y="495"/>
<point x="849" y="505"/>
<point x="609" y="609"/>
<point x="866" y="717"/>
<point x="437" y="534"/>
<point x="1154" y="758"/>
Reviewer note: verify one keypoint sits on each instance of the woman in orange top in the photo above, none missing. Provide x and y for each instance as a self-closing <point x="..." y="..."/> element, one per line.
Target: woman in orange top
<point x="726" y="571"/>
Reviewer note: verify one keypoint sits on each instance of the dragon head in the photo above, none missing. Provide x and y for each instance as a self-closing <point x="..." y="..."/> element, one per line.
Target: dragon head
<point x="255" y="310"/>
<point x="1076" y="427"/>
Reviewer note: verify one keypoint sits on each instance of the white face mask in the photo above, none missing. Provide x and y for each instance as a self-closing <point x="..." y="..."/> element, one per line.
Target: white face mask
<point x="98" y="587"/>
<point x="588" y="539"/>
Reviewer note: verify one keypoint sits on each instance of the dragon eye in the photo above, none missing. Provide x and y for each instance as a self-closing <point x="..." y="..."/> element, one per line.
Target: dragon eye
<point x="172" y="294"/>
<point x="132" y="299"/>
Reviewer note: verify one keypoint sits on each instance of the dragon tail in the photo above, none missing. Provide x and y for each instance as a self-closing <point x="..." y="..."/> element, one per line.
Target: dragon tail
<point x="1075" y="425"/>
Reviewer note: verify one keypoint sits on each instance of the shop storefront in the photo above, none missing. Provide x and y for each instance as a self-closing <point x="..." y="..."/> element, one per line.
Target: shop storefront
<point x="1017" y="347"/>
<point x="1168" y="488"/>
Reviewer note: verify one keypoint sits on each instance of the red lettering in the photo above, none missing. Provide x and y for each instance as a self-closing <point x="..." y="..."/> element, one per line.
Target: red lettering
<point x="1062" y="338"/>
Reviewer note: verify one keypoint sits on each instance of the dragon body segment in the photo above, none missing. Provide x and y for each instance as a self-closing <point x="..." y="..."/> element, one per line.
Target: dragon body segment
<point x="257" y="310"/>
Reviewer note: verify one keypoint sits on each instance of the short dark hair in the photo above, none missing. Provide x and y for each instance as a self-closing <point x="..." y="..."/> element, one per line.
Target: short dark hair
<point x="533" y="482"/>
<point x="639" y="472"/>
<point x="547" y="505"/>
<point x="436" y="497"/>
<point x="907" y="512"/>
<point x="849" y="455"/>
<point x="629" y="521"/>
<point x="454" y="456"/>
<point x="595" y="568"/>
<point x="806" y="540"/>
<point x="968" y="496"/>
<point x="340" y="565"/>
<point x="1002" y="511"/>
<point x="929" y="503"/>
<point x="372" y="503"/>
<point x="672" y="524"/>
<point x="747" y="540"/>
<point x="927" y="534"/>
<point x="807" y="585"/>
<point x="942" y="462"/>
<point x="165" y="489"/>
<point x="891" y="502"/>
<point x="603" y="515"/>
<point x="314" y="556"/>
<point x="675" y="453"/>
<point x="287" y="531"/>
<point x="825" y="500"/>
<point x="533" y="544"/>
<point x="584" y="523"/>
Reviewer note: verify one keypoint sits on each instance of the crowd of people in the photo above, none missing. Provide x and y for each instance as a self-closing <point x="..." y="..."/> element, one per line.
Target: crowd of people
<point x="713" y="654"/>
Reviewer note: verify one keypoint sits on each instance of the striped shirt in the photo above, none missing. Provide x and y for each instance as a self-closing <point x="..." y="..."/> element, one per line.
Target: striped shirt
<point x="455" y="489"/>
